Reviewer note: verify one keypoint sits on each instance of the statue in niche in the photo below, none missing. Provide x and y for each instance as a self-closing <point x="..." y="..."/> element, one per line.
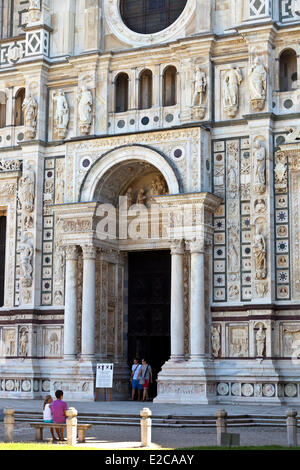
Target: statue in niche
<point x="26" y="254"/>
<point x="259" y="167"/>
<point x="141" y="197"/>
<point x="27" y="189"/>
<point x="59" y="267"/>
<point x="260" y="341"/>
<point x="200" y="82"/>
<point x="260" y="255"/>
<point x="232" y="79"/>
<point x="62" y="114"/>
<point x="34" y="9"/>
<point x="258" y="84"/>
<point x="85" y="109"/>
<point x="129" y="195"/>
<point x="54" y="345"/>
<point x="23" y="342"/>
<point x="215" y="340"/>
<point x="158" y="186"/>
<point x="30" y="109"/>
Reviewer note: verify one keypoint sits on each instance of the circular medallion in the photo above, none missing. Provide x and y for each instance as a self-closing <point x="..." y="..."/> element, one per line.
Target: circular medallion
<point x="290" y="390"/>
<point x="26" y="385"/>
<point x="9" y="385"/>
<point x="247" y="390"/>
<point x="236" y="390"/>
<point x="223" y="389"/>
<point x="46" y="386"/>
<point x="268" y="390"/>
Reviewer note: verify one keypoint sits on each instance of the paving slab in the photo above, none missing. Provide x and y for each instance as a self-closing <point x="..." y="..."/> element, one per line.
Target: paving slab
<point x="158" y="409"/>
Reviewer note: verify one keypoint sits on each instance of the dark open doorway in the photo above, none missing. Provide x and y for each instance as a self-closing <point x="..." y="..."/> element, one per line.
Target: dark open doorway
<point x="149" y="309"/>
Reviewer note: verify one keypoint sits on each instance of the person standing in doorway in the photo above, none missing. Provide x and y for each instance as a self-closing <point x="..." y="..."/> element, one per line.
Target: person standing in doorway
<point x="145" y="378"/>
<point x="135" y="385"/>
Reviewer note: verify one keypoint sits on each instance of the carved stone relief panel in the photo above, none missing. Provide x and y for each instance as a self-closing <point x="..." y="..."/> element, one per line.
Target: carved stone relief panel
<point x="238" y="342"/>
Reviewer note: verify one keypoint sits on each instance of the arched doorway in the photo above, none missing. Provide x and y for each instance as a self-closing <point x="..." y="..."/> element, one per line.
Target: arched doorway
<point x="140" y="174"/>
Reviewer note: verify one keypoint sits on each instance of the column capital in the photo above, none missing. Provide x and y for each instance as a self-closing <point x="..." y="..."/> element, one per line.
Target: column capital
<point x="71" y="252"/>
<point x="177" y="247"/>
<point x="89" y="252"/>
<point x="196" y="246"/>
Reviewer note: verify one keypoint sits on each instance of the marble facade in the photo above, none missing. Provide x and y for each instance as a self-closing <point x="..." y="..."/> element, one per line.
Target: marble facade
<point x="229" y="146"/>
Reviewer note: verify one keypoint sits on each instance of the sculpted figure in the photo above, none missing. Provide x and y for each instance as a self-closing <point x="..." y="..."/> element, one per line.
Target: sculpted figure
<point x="233" y="78"/>
<point x="200" y="87"/>
<point x="24" y="342"/>
<point x="30" y="109"/>
<point x="259" y="168"/>
<point x="129" y="195"/>
<point x="34" y="9"/>
<point x="215" y="340"/>
<point x="26" y="255"/>
<point x="62" y="113"/>
<point x="85" y="108"/>
<point x="27" y="189"/>
<point x="260" y="255"/>
<point x="260" y="341"/>
<point x="258" y="84"/>
<point x="141" y="198"/>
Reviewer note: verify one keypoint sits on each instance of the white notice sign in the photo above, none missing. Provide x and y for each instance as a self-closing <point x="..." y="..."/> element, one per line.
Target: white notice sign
<point x="104" y="375"/>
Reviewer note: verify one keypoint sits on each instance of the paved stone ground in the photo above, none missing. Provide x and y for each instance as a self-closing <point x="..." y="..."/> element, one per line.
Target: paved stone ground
<point x="118" y="437"/>
<point x="159" y="409"/>
<point x="115" y="437"/>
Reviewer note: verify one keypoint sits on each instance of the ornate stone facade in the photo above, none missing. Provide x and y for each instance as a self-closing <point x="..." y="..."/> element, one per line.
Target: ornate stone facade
<point x="198" y="122"/>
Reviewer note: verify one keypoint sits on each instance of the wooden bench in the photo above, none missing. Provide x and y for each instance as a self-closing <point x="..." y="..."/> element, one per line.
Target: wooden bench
<point x="39" y="427"/>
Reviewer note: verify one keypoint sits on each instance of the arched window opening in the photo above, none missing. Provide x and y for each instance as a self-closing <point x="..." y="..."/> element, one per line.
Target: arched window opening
<point x="122" y="93"/>
<point x="169" y="86"/>
<point x="2" y="109"/>
<point x="145" y="99"/>
<point x="19" y="114"/>
<point x="288" y="70"/>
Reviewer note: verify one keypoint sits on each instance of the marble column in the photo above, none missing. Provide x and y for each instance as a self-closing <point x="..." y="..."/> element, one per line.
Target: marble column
<point x="177" y="301"/>
<point x="70" y="324"/>
<point x="88" y="302"/>
<point x="197" y="301"/>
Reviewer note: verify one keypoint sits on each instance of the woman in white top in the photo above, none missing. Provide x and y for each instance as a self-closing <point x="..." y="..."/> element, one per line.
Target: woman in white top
<point x="47" y="414"/>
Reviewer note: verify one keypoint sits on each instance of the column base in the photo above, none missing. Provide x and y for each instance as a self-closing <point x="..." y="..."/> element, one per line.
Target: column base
<point x="187" y="382"/>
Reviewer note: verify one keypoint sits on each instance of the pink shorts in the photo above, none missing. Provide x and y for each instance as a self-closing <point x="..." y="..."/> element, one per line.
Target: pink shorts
<point x="146" y="384"/>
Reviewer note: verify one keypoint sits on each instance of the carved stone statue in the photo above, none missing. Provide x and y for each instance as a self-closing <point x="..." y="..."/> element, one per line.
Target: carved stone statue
<point x="62" y="114"/>
<point x="26" y="254"/>
<point x="85" y="109"/>
<point x="260" y="341"/>
<point x="258" y="84"/>
<point x="215" y="340"/>
<point x="232" y="79"/>
<point x="30" y="108"/>
<point x="293" y="134"/>
<point x="27" y="189"/>
<point x="259" y="167"/>
<point x="260" y="255"/>
<point x="23" y="342"/>
<point x="59" y="267"/>
<point x="141" y="197"/>
<point x="34" y="9"/>
<point x="129" y="195"/>
<point x="158" y="186"/>
<point x="200" y="82"/>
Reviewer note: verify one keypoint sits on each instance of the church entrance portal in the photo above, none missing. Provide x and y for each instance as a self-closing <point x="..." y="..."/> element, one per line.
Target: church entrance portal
<point x="149" y="309"/>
